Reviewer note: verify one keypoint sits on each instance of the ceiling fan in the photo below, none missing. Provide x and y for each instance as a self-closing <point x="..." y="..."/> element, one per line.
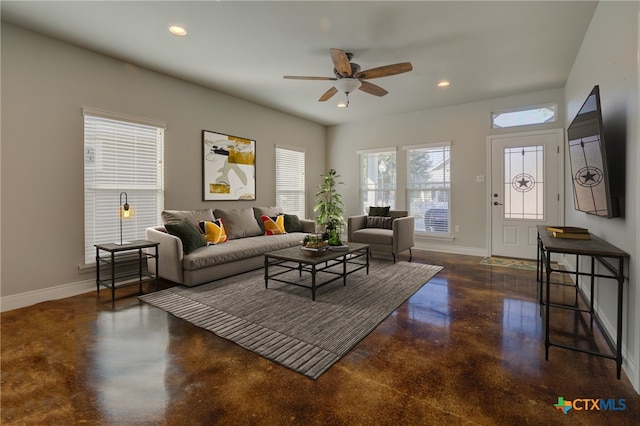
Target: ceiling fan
<point x="348" y="76"/>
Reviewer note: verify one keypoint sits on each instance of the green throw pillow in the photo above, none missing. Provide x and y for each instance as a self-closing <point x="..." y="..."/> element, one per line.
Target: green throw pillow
<point x="379" y="211"/>
<point x="191" y="238"/>
<point x="292" y="223"/>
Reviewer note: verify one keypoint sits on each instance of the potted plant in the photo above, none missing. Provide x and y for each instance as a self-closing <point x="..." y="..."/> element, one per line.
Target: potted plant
<point x="330" y="208"/>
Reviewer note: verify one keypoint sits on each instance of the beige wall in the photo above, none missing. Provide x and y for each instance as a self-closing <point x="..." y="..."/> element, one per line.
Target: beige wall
<point x="45" y="84"/>
<point x="467" y="127"/>
<point x="608" y="57"/>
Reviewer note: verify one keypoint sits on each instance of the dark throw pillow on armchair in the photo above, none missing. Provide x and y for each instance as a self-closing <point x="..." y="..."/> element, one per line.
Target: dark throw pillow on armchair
<point x="379" y="211"/>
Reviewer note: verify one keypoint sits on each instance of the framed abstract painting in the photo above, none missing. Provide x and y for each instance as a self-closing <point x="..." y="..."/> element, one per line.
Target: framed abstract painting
<point x="228" y="167"/>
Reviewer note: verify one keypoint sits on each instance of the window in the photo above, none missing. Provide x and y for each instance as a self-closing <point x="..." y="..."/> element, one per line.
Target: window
<point x="378" y="178"/>
<point x="290" y="181"/>
<point x="121" y="154"/>
<point x="524" y="182"/>
<point x="429" y="187"/>
<point x="522" y="117"/>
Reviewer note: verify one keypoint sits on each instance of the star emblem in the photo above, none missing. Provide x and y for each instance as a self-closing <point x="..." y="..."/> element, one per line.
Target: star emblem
<point x="588" y="177"/>
<point x="523" y="182"/>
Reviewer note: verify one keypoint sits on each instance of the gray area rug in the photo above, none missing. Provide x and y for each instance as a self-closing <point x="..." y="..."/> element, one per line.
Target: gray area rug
<point x="283" y="324"/>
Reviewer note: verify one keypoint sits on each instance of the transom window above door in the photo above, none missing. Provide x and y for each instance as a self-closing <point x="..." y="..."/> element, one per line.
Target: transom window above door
<point x="524" y="116"/>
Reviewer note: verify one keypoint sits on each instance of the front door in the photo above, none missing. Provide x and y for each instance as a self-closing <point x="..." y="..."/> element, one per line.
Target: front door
<point x="525" y="190"/>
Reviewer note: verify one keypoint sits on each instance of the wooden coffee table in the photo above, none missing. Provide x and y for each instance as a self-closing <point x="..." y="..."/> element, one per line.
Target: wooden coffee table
<point x="282" y="261"/>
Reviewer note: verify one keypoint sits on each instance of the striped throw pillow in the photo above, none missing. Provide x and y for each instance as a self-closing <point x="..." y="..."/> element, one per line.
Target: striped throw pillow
<point x="383" y="222"/>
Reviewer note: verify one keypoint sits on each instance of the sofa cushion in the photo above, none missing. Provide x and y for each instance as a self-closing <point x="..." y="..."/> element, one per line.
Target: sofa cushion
<point x="273" y="225"/>
<point x="194" y="216"/>
<point x="267" y="211"/>
<point x="188" y="234"/>
<point x="239" y="249"/>
<point x="239" y="223"/>
<point x="213" y="231"/>
<point x="384" y="222"/>
<point x="292" y="223"/>
<point x="373" y="236"/>
<point x="379" y="211"/>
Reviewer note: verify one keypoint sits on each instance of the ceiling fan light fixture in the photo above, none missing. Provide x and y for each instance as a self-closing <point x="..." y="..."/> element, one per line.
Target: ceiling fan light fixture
<point x="348" y="76"/>
<point x="348" y="85"/>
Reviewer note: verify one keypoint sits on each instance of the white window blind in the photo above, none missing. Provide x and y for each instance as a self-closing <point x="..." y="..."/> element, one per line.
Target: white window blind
<point x="429" y="186"/>
<point x="120" y="156"/>
<point x="290" y="181"/>
<point x="378" y="179"/>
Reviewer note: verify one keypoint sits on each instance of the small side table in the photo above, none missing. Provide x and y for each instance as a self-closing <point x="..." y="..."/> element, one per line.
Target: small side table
<point x="115" y="257"/>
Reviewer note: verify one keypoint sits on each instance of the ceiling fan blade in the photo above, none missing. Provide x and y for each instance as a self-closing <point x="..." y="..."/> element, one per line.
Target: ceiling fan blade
<point x="372" y="89"/>
<point x="299" y="77"/>
<point x="341" y="62"/>
<point x="385" y="71"/>
<point x="328" y="94"/>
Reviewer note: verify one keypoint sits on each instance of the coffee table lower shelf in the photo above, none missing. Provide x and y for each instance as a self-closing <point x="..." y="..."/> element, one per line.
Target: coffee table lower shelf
<point x="293" y="259"/>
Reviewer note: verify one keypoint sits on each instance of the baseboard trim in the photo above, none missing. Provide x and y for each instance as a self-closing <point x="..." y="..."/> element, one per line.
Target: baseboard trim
<point x="444" y="248"/>
<point x="17" y="301"/>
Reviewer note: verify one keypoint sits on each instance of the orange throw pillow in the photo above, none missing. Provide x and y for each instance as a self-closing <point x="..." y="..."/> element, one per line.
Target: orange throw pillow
<point x="214" y="232"/>
<point x="273" y="225"/>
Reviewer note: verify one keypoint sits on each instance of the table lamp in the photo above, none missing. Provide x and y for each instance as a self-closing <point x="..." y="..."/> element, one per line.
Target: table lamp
<point x="125" y="212"/>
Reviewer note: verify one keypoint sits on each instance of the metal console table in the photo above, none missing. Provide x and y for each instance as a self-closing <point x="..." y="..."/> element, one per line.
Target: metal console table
<point x="114" y="259"/>
<point x="598" y="250"/>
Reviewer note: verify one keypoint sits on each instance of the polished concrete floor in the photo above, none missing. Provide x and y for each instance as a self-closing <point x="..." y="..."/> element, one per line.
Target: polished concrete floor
<point x="467" y="348"/>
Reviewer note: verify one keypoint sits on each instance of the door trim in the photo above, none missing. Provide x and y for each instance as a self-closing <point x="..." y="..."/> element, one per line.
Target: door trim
<point x="489" y="185"/>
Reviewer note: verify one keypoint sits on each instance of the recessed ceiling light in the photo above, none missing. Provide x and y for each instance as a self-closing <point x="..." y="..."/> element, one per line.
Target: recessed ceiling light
<point x="178" y="30"/>
<point x="444" y="84"/>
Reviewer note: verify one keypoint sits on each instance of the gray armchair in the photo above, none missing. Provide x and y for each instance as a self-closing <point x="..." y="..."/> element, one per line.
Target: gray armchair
<point x="395" y="240"/>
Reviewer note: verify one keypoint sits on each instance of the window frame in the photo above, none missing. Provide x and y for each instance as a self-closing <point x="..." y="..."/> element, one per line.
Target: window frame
<point x="496" y="114"/>
<point x="421" y="219"/>
<point x="301" y="192"/>
<point x="102" y="189"/>
<point x="393" y="185"/>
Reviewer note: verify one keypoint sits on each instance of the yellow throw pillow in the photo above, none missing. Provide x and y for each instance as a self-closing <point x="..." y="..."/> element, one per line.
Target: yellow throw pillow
<point x="213" y="231"/>
<point x="273" y="225"/>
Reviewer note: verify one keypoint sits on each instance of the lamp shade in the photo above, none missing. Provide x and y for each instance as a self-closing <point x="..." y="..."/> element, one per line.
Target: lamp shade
<point x="126" y="211"/>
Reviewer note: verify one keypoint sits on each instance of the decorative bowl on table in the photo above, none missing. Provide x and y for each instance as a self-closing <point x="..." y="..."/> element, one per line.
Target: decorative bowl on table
<point x="314" y="246"/>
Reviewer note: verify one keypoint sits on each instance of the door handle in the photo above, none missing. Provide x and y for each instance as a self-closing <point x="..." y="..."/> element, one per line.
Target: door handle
<point x="495" y="203"/>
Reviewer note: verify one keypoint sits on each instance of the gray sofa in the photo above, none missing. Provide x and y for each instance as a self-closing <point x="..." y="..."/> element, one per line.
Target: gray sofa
<point x="391" y="234"/>
<point x="244" y="250"/>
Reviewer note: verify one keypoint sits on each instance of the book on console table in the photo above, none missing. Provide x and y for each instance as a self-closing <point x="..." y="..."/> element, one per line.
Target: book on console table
<point x="567" y="230"/>
<point x="343" y="247"/>
<point x="572" y="235"/>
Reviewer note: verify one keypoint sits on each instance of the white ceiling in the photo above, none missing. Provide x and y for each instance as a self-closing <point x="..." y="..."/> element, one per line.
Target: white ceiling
<point x="486" y="49"/>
